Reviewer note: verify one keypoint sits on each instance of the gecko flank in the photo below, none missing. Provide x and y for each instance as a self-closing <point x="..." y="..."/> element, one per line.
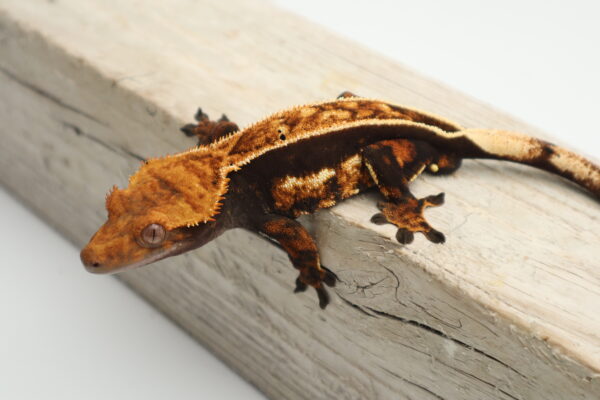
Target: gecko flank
<point x="294" y="162"/>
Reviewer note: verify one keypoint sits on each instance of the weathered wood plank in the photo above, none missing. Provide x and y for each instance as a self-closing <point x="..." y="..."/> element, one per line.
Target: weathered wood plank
<point x="507" y="308"/>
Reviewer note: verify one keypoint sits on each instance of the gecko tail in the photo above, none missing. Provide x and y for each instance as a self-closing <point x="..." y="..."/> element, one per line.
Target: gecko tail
<point x="523" y="149"/>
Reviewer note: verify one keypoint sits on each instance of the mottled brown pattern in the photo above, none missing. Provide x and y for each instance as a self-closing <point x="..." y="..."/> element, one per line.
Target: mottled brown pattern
<point x="408" y="217"/>
<point x="174" y="192"/>
<point x="307" y="121"/>
<point x="352" y="176"/>
<point x="299" y="195"/>
<point x="297" y="161"/>
<point x="169" y="186"/>
<point x="289" y="191"/>
<point x="295" y="240"/>
<point x="394" y="164"/>
<point x="404" y="151"/>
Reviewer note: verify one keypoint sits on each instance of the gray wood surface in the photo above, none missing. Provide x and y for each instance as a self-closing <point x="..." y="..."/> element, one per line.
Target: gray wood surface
<point x="506" y="309"/>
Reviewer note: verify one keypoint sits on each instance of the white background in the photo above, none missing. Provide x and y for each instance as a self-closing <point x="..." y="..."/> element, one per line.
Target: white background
<point x="69" y="335"/>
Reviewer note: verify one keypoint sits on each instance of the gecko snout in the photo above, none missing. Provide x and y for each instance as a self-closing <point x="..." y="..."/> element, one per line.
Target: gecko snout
<point x="91" y="261"/>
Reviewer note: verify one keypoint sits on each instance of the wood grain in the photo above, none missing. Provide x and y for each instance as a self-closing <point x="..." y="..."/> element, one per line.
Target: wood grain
<point x="506" y="309"/>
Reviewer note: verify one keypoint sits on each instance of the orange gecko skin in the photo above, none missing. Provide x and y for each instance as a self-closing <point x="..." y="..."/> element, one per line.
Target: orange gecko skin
<point x="294" y="162"/>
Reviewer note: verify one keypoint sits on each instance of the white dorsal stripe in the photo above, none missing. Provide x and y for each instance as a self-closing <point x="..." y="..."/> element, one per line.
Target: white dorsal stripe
<point x="340" y="128"/>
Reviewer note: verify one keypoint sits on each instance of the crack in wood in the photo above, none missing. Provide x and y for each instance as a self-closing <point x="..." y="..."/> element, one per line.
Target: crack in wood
<point x="445" y="336"/>
<point x="437" y="396"/>
<point x="338" y="357"/>
<point x="49" y="96"/>
<point x="465" y="373"/>
<point x="355" y="306"/>
<point x="441" y="321"/>
<point x="391" y="271"/>
<point x="116" y="149"/>
<point x="475" y="320"/>
<point x="438" y="333"/>
<point x="369" y="285"/>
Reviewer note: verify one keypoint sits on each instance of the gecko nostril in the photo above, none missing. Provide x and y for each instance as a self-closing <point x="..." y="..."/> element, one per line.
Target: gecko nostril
<point x="90" y="259"/>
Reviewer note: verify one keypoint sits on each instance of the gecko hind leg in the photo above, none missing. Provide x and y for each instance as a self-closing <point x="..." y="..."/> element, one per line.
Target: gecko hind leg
<point x="408" y="216"/>
<point x="303" y="253"/>
<point x="393" y="164"/>
<point x="208" y="131"/>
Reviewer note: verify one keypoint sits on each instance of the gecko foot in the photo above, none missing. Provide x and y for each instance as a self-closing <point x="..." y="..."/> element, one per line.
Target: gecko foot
<point x="407" y="215"/>
<point x="316" y="278"/>
<point x="208" y="131"/>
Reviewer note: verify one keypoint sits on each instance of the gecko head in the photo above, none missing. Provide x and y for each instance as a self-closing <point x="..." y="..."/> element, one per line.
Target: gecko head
<point x="170" y="206"/>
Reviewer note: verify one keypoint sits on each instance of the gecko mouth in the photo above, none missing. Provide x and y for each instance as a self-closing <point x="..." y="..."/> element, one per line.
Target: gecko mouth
<point x="95" y="266"/>
<point x="98" y="259"/>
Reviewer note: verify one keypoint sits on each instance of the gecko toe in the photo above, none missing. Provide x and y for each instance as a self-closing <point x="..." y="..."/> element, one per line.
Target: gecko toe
<point x="300" y="286"/>
<point x="379" y="219"/>
<point x="200" y="115"/>
<point x="329" y="278"/>
<point x="317" y="281"/>
<point x="189" y="130"/>
<point x="435" y="200"/>
<point x="404" y="236"/>
<point x="323" y="297"/>
<point x="435" y="236"/>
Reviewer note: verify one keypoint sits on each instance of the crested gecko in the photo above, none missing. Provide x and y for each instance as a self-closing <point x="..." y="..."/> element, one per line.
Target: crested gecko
<point x="264" y="176"/>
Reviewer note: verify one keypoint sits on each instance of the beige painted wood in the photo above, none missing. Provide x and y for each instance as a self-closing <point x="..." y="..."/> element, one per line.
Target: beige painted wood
<point x="506" y="309"/>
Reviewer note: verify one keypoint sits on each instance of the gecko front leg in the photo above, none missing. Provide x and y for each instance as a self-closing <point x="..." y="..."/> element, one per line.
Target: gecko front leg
<point x="303" y="253"/>
<point x="208" y="131"/>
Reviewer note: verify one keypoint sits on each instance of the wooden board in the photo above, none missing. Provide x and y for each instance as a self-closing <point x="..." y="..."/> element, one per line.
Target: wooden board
<point x="506" y="309"/>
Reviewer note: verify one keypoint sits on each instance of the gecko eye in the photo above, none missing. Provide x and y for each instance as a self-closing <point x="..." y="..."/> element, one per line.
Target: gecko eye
<point x="153" y="235"/>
